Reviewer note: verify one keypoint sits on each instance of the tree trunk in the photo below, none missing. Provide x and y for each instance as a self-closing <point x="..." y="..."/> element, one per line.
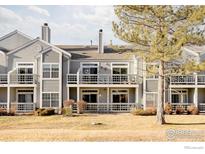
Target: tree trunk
<point x="160" y="102"/>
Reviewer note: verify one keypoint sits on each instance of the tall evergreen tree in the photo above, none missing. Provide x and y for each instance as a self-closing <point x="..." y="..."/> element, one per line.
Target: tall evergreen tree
<point x="158" y="34"/>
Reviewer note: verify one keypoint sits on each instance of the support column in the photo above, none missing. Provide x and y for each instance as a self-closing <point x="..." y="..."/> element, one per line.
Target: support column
<point x="35" y="97"/>
<point x="68" y="93"/>
<point x="8" y="99"/>
<point x="136" y="95"/>
<point x="196" y="97"/>
<point x="170" y="95"/>
<point x="108" y="98"/>
<point x="78" y="93"/>
<point x="144" y="85"/>
<point x="41" y="82"/>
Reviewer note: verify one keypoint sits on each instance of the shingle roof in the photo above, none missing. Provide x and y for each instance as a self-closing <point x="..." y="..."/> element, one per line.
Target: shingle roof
<point x="91" y="52"/>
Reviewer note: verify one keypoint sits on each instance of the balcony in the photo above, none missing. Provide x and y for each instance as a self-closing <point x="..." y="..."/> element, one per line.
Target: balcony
<point x="102" y="79"/>
<point x="188" y="80"/>
<point x="18" y="79"/>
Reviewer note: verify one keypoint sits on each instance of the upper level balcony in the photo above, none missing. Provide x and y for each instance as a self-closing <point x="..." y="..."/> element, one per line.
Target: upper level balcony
<point x="18" y="79"/>
<point x="103" y="79"/>
<point x="188" y="80"/>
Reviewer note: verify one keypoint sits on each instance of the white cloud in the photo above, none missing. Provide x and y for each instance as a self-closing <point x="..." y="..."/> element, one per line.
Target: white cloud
<point x="102" y="15"/>
<point x="39" y="10"/>
<point x="7" y="15"/>
<point x="78" y="27"/>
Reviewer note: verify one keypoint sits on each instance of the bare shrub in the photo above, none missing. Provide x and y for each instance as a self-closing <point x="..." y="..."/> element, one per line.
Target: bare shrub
<point x="192" y="110"/>
<point x="180" y="109"/>
<point x="168" y="108"/>
<point x="81" y="105"/>
<point x="68" y="103"/>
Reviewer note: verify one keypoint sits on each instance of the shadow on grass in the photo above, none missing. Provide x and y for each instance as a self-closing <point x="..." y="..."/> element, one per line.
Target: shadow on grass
<point x="184" y="123"/>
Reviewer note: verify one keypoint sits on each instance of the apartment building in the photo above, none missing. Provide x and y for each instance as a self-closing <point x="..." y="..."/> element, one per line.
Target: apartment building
<point x="36" y="74"/>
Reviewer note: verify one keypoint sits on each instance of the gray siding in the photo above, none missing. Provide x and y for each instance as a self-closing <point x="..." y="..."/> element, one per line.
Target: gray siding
<point x="64" y="77"/>
<point x="27" y="54"/>
<point x="51" y="57"/>
<point x="151" y="85"/>
<point x="3" y="67"/>
<point x="73" y="93"/>
<point x="50" y="85"/>
<point x="3" y="94"/>
<point x="191" y="95"/>
<point x="201" y="95"/>
<point x="14" y="41"/>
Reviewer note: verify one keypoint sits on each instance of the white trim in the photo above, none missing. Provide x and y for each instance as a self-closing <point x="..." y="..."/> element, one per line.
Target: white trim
<point x="23" y="46"/>
<point x="54" y="48"/>
<point x="13" y="33"/>
<point x="128" y="94"/>
<point x="60" y="80"/>
<point x="41" y="76"/>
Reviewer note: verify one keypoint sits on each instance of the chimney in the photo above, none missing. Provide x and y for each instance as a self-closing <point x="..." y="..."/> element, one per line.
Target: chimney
<point x="46" y="33"/>
<point x="100" y="44"/>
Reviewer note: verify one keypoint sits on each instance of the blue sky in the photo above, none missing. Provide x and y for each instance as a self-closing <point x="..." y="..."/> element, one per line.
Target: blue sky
<point x="69" y="24"/>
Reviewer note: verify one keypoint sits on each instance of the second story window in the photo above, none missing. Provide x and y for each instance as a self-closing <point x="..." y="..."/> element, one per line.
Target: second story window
<point x="50" y="70"/>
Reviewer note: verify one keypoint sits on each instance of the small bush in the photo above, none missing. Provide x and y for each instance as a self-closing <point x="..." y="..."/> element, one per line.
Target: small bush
<point x="67" y="111"/>
<point x="151" y="111"/>
<point x="81" y="105"/>
<point x="136" y="111"/>
<point x="147" y="112"/>
<point x="68" y="103"/>
<point x="3" y="112"/>
<point x="192" y="110"/>
<point x="45" y="112"/>
<point x="180" y="110"/>
<point x="168" y="108"/>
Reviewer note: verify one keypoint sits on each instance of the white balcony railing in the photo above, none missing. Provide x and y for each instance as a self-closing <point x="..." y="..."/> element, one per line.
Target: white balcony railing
<point x="3" y="105"/>
<point x="184" y="105"/>
<point x="102" y="79"/>
<point x="23" y="107"/>
<point x="18" y="79"/>
<point x="188" y="80"/>
<point x="201" y="107"/>
<point x="107" y="107"/>
<point x="182" y="80"/>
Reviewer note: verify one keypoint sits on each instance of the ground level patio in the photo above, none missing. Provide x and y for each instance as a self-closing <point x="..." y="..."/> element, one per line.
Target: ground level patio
<point x="115" y="127"/>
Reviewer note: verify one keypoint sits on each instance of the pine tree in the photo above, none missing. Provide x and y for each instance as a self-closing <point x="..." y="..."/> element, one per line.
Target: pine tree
<point x="158" y="34"/>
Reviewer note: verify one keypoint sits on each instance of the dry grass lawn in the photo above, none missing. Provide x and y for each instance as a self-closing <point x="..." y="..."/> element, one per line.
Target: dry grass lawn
<point x="115" y="127"/>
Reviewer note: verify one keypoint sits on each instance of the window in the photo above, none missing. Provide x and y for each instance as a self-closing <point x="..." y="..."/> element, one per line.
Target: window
<point x="25" y="96"/>
<point x="120" y="96"/>
<point x="179" y="96"/>
<point x="50" y="70"/>
<point x="90" y="96"/>
<point x="50" y="100"/>
<point x="119" y="68"/>
<point x="90" y="68"/>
